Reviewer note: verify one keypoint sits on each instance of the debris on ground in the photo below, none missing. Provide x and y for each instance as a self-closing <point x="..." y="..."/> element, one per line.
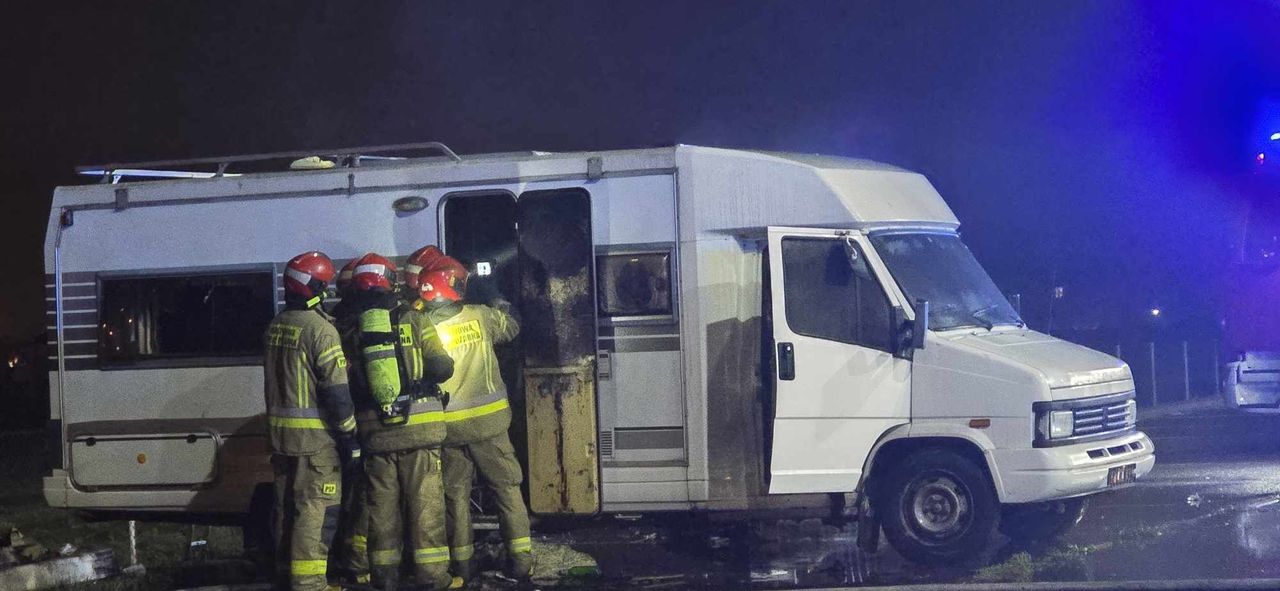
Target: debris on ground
<point x="27" y="565"/>
<point x="27" y="550"/>
<point x="1195" y="499"/>
<point x="8" y="557"/>
<point x="773" y="576"/>
<point x="554" y="563"/>
<point x="57" y="572"/>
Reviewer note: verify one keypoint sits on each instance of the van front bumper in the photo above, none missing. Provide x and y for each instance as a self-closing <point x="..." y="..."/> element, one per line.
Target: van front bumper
<point x="1044" y="474"/>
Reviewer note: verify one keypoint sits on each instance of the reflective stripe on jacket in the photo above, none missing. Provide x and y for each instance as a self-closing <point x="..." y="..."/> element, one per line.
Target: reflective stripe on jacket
<point x="305" y="378"/>
<point x="478" y="407"/>
<point x="423" y="360"/>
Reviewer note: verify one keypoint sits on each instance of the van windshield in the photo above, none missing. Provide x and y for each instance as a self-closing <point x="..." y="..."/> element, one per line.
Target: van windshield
<point x="939" y="268"/>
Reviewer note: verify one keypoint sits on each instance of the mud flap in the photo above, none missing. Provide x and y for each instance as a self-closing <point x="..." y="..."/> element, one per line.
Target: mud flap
<point x="868" y="530"/>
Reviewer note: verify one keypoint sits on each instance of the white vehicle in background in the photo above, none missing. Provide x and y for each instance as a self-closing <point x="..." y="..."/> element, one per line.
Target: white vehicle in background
<point x="1251" y="331"/>
<point x="706" y="330"/>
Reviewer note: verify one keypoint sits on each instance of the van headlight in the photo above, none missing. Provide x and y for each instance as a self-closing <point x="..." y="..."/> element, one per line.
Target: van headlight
<point x="1131" y="413"/>
<point x="1057" y="424"/>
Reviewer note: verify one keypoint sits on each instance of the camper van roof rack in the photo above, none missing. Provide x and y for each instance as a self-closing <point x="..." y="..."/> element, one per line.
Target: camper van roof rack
<point x="346" y="157"/>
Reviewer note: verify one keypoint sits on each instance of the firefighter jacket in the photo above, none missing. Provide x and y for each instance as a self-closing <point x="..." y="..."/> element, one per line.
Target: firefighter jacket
<point x="308" y="403"/>
<point x="424" y="362"/>
<point x="478" y="407"/>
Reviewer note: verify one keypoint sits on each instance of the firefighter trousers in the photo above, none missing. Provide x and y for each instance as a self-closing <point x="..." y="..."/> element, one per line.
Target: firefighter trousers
<point x="406" y="502"/>
<point x="308" y="490"/>
<point x="351" y="554"/>
<point x="495" y="460"/>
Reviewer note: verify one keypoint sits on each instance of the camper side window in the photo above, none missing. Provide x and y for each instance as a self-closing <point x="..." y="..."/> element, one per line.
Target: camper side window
<point x="184" y="320"/>
<point x="636" y="284"/>
<point x="832" y="294"/>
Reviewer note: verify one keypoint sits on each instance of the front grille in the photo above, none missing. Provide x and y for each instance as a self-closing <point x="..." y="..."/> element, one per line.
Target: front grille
<point x="1102" y="418"/>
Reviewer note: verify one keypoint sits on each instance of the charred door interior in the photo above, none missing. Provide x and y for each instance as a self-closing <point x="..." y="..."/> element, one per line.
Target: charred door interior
<point x="536" y="250"/>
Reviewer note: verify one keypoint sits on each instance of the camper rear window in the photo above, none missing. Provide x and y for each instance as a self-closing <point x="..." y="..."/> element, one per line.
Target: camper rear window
<point x="187" y="320"/>
<point x="637" y="284"/>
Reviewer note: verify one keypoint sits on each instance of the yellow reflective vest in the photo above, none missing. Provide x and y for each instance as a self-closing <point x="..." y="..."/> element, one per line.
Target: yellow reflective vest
<point x="478" y="407"/>
<point x="305" y="376"/>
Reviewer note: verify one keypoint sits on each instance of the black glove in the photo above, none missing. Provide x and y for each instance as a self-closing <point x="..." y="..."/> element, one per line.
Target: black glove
<point x="348" y="450"/>
<point x="481" y="290"/>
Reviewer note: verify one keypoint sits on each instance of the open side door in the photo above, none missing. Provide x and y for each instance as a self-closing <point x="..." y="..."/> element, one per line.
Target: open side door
<point x="558" y="305"/>
<point x="837" y="383"/>
<point x="536" y="250"/>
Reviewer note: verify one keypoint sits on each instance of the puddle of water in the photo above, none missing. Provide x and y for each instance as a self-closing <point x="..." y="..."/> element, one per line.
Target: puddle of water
<point x="1257" y="532"/>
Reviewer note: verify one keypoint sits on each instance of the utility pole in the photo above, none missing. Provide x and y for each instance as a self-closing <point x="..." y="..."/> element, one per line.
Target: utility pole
<point x="1151" y="347"/>
<point x="1186" y="373"/>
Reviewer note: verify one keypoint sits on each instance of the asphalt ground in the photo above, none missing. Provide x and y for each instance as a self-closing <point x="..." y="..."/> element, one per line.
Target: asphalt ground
<point x="1210" y="509"/>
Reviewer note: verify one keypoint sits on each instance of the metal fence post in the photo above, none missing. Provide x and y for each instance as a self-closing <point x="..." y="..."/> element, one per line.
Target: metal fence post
<point x="1186" y="373"/>
<point x="133" y="543"/>
<point x="1151" y="348"/>
<point x="1217" y="367"/>
<point x="1118" y="356"/>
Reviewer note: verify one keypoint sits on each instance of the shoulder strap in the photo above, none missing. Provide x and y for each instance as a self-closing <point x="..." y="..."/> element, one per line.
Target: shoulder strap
<point x="405" y="338"/>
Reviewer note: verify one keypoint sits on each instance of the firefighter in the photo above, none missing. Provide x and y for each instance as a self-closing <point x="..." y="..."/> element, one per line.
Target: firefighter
<point x="478" y="416"/>
<point x="428" y="258"/>
<point x="350" y="557"/>
<point x="423" y="258"/>
<point x="397" y="367"/>
<point x="342" y="312"/>
<point x="311" y="423"/>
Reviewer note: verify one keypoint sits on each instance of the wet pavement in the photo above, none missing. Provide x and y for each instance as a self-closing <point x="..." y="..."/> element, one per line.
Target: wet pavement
<point x="1209" y="509"/>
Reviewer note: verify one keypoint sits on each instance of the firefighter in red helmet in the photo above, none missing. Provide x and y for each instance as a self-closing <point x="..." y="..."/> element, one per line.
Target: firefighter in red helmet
<point x="478" y="416"/>
<point x="421" y="259"/>
<point x="310" y="421"/>
<point x="350" y="555"/>
<point x="344" y="312"/>
<point x="397" y="366"/>
<point x="428" y="258"/>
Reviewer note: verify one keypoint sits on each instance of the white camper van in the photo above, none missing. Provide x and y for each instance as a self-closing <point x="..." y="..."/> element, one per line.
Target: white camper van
<point x="704" y="330"/>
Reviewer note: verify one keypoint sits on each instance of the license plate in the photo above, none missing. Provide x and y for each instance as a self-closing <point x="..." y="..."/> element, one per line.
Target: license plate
<point x="1122" y="474"/>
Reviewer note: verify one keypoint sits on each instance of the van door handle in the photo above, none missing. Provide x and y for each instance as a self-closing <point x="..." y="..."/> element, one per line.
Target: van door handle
<point x="786" y="361"/>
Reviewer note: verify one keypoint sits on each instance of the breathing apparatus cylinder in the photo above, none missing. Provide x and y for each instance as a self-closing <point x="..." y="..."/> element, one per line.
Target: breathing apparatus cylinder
<point x="378" y="347"/>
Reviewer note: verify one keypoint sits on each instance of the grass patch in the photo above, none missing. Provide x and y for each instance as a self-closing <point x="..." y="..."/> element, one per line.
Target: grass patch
<point x="1066" y="563"/>
<point x="161" y="546"/>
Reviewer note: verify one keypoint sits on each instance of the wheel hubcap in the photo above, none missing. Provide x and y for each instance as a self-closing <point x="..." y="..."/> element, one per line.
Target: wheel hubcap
<point x="939" y="507"/>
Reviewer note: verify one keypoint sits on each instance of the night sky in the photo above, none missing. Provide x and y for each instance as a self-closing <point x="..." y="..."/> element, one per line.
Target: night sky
<point x="1089" y="144"/>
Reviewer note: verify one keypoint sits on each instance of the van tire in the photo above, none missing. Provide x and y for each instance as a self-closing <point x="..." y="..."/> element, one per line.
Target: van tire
<point x="938" y="507"/>
<point x="1041" y="522"/>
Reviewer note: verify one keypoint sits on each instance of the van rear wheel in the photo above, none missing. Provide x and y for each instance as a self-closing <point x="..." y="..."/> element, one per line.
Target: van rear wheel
<point x="938" y="507"/>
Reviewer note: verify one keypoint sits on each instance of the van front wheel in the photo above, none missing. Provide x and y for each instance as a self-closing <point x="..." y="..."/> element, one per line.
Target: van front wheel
<point x="938" y="507"/>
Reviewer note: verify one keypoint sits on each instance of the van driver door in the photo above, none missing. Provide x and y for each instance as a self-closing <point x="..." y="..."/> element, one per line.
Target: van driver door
<point x="837" y="383"/>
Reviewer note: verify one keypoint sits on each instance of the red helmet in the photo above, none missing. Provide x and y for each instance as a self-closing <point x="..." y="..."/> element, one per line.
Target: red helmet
<point x="423" y="258"/>
<point x="343" y="282"/>
<point x="373" y="272"/>
<point x="437" y="286"/>
<point x="308" y="274"/>
<point x="449" y="264"/>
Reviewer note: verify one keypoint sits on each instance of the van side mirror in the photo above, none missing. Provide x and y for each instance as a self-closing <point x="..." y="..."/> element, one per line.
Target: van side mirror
<point x="900" y="333"/>
<point x="921" y="324"/>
